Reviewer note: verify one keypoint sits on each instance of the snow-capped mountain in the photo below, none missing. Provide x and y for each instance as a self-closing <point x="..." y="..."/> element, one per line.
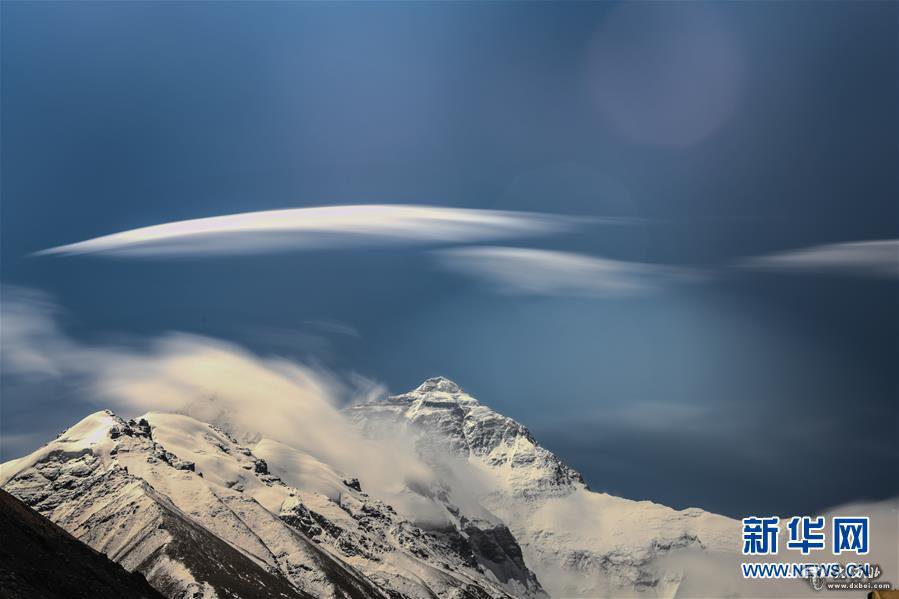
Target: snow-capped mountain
<point x="201" y="515"/>
<point x="579" y="542"/>
<point x="203" y="512"/>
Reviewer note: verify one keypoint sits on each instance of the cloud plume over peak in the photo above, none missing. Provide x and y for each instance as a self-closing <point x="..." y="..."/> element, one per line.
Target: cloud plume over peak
<point x="320" y="227"/>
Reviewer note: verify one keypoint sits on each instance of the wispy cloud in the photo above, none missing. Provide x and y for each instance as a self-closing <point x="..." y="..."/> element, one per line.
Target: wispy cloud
<point x="545" y="272"/>
<point x="864" y="258"/>
<point x="215" y="381"/>
<point x="321" y="227"/>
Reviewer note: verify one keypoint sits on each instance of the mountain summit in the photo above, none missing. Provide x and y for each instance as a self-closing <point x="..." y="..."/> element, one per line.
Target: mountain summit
<point x="438" y="383"/>
<point x="579" y="542"/>
<point x="445" y="419"/>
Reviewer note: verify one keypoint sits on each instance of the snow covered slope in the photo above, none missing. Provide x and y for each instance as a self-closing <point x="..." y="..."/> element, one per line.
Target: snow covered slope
<point x="579" y="542"/>
<point x="201" y="515"/>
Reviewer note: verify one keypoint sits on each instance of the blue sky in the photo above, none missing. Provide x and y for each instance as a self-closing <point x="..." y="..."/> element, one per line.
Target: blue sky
<point x="647" y="343"/>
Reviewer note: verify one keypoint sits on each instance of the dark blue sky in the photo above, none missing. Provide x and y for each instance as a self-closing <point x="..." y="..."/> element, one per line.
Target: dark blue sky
<point x="730" y="130"/>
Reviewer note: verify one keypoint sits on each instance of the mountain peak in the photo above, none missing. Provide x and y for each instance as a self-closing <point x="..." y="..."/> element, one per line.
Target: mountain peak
<point x="439" y="383"/>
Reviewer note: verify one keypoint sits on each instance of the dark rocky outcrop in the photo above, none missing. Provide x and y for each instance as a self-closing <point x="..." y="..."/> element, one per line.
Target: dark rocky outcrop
<point x="40" y="559"/>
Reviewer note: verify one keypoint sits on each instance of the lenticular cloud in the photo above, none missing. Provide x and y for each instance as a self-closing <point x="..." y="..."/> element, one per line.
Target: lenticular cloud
<point x="320" y="227"/>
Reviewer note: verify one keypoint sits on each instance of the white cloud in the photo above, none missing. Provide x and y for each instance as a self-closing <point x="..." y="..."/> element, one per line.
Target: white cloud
<point x="544" y="272"/>
<point x="207" y="378"/>
<point x="29" y="315"/>
<point x="321" y="227"/>
<point x="214" y="381"/>
<point x="865" y="258"/>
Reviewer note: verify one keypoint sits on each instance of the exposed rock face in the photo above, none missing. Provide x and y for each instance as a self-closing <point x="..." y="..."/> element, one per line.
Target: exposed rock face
<point x="579" y="543"/>
<point x="40" y="559"/>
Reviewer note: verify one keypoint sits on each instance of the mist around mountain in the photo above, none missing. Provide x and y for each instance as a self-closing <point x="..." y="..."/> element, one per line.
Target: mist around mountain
<point x="216" y="510"/>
